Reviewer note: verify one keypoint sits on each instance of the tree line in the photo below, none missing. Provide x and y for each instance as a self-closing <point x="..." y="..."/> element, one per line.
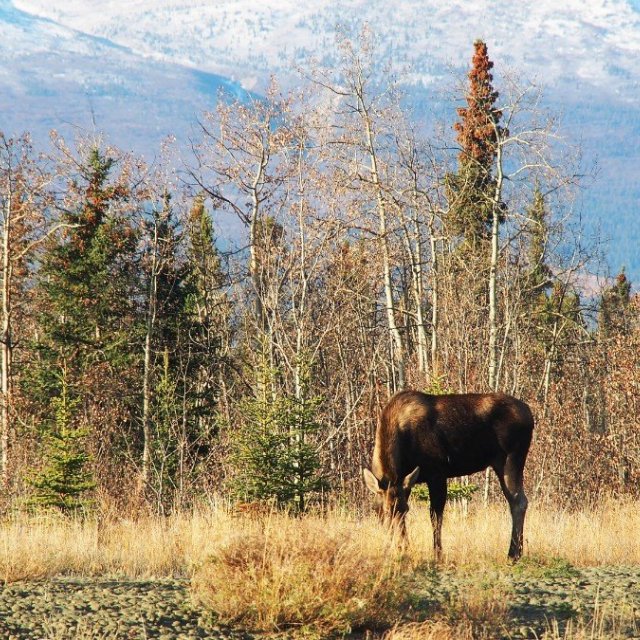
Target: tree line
<point x="146" y="364"/>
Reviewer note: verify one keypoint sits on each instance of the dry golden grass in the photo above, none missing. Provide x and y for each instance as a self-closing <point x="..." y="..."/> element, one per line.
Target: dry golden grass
<point x="432" y="630"/>
<point x="485" y="618"/>
<point x="606" y="535"/>
<point x="45" y="546"/>
<point x="329" y="576"/>
<point x="332" y="572"/>
<point x="606" y="623"/>
<point x="600" y="627"/>
<point x="37" y="547"/>
<point x="476" y="613"/>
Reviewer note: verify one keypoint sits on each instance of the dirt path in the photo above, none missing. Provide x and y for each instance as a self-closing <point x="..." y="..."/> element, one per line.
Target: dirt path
<point x="105" y="609"/>
<point x="109" y="609"/>
<point x="536" y="594"/>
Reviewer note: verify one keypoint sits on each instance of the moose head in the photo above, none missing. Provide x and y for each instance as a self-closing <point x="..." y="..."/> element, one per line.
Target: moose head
<point x="392" y="499"/>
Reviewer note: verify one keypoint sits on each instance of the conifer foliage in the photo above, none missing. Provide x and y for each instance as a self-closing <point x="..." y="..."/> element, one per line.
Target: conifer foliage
<point x="478" y="131"/>
<point x="85" y="300"/>
<point x="274" y="453"/>
<point x="614" y="306"/>
<point x="66" y="480"/>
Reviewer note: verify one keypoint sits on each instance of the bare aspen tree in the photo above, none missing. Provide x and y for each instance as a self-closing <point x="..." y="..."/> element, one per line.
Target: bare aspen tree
<point x="159" y="212"/>
<point x="239" y="167"/>
<point x="525" y="162"/>
<point x="420" y="203"/>
<point x="363" y="123"/>
<point x="23" y="227"/>
<point x="493" y="270"/>
<point x="415" y="241"/>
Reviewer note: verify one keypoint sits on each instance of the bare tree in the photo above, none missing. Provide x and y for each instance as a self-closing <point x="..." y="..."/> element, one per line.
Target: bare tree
<point x="239" y="164"/>
<point x="24" y="199"/>
<point x="362" y="127"/>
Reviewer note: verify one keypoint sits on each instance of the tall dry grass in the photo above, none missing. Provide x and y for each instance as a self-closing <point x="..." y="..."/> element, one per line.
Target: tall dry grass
<point x="598" y="627"/>
<point x="38" y="547"/>
<point x="606" y="623"/>
<point x="333" y="571"/>
<point x="45" y="546"/>
<point x="604" y="535"/>
<point x="330" y="576"/>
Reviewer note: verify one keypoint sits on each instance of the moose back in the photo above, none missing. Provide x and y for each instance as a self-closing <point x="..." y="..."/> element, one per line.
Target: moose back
<point x="424" y="438"/>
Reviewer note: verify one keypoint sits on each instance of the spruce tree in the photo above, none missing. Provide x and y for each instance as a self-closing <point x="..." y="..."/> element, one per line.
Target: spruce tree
<point x="274" y="453"/>
<point x="614" y="306"/>
<point x="185" y="327"/>
<point x="65" y="480"/>
<point x="208" y="309"/>
<point x="537" y="279"/>
<point x="86" y="278"/>
<point x="471" y="189"/>
<point x="86" y="304"/>
<point x="539" y="276"/>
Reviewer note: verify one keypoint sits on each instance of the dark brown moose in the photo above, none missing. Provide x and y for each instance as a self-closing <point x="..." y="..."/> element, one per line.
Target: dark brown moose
<point x="423" y="438"/>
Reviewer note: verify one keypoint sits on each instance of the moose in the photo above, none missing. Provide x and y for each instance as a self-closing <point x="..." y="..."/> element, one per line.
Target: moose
<point x="422" y="438"/>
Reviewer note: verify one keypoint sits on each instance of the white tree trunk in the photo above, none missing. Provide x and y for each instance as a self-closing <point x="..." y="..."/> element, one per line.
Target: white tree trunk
<point x="493" y="275"/>
<point x="152" y="303"/>
<point x="253" y="246"/>
<point x="7" y="345"/>
<point x="396" y="336"/>
<point x="414" y="250"/>
<point x="493" y="295"/>
<point x="435" y="364"/>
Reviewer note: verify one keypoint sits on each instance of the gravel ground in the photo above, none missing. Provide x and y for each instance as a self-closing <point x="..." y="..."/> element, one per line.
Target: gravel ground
<point x="106" y="609"/>
<point x="537" y="594"/>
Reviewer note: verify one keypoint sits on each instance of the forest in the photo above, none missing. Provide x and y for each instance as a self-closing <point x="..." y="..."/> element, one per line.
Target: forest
<point x="145" y="364"/>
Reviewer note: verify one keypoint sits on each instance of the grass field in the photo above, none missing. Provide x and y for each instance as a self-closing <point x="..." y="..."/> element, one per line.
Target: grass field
<point x="335" y="573"/>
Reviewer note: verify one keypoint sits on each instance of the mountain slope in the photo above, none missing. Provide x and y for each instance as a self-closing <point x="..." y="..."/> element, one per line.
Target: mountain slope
<point x="54" y="77"/>
<point x="148" y="68"/>
<point x="595" y="43"/>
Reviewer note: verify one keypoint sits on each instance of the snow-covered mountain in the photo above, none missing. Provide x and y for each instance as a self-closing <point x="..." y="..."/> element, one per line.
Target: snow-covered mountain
<point x="573" y="42"/>
<point x="55" y="77"/>
<point x="145" y="68"/>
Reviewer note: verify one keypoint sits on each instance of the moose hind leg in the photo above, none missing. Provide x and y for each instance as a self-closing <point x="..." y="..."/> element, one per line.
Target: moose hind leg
<point x="518" y="510"/>
<point x="511" y="481"/>
<point x="437" y="499"/>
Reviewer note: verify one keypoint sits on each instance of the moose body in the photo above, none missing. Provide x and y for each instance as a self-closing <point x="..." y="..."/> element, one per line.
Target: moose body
<point x="424" y="438"/>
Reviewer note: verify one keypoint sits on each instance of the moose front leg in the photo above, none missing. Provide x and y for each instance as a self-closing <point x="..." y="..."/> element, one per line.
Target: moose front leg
<point x="437" y="500"/>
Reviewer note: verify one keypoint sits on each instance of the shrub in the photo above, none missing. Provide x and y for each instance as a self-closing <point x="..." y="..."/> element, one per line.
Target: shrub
<point x="308" y="572"/>
<point x="455" y="491"/>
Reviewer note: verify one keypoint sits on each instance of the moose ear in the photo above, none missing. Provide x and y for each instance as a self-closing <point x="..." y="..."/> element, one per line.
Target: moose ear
<point x="411" y="479"/>
<point x="373" y="484"/>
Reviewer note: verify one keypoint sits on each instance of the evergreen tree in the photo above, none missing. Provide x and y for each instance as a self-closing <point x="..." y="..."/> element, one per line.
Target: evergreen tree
<point x="204" y="261"/>
<point x="471" y="189"/>
<point x="88" y="321"/>
<point x="614" y="306"/>
<point x="185" y="328"/>
<point x="207" y="305"/>
<point x="274" y="454"/>
<point x="539" y="277"/>
<point x="86" y="278"/>
<point x="64" y="481"/>
<point x="537" y="280"/>
<point x="561" y="322"/>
